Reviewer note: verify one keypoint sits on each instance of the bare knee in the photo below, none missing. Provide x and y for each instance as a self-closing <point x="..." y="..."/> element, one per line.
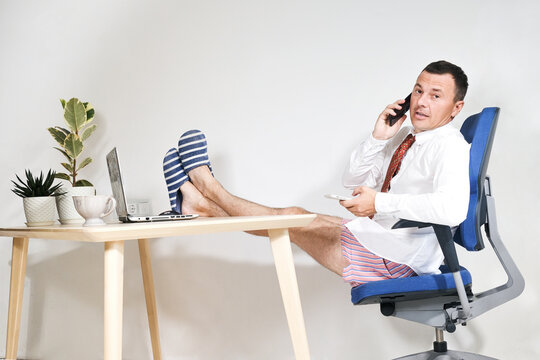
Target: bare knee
<point x="293" y="210"/>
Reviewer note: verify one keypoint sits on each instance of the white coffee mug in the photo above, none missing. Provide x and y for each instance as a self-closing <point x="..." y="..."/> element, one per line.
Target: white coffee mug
<point x="94" y="207"/>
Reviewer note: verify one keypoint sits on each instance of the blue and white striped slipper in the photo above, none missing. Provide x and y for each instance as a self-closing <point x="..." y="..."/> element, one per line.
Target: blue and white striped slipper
<point x="192" y="148"/>
<point x="175" y="176"/>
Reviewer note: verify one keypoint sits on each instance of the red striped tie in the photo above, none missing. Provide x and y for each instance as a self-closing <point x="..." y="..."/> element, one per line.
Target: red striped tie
<point x="395" y="163"/>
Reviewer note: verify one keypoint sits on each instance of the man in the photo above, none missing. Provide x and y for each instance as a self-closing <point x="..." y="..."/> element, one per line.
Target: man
<point x="415" y="173"/>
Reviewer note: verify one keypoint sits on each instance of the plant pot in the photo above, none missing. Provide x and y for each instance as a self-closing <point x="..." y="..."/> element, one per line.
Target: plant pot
<point x="66" y="210"/>
<point x="40" y="210"/>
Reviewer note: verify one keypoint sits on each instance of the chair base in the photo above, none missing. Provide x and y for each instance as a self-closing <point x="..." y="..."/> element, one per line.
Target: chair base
<point x="448" y="355"/>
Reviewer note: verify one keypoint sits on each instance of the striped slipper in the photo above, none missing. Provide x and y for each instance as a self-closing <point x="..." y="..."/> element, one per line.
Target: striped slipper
<point x="175" y="176"/>
<point x="192" y="148"/>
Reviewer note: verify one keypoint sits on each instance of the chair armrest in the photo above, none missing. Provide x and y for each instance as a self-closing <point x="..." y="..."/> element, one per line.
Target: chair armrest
<point x="444" y="236"/>
<point x="404" y="223"/>
<point x="446" y="242"/>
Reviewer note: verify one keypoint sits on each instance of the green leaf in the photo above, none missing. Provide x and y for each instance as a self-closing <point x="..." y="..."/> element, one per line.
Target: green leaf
<point x="30" y="180"/>
<point x="55" y="190"/>
<point x="19" y="193"/>
<point x="88" y="131"/>
<point x="21" y="189"/>
<point x="89" y="112"/>
<point x="75" y="114"/>
<point x="83" y="183"/>
<point x="90" y="115"/>
<point x="63" y="102"/>
<point x="62" y="176"/>
<point x="84" y="163"/>
<point x="49" y="179"/>
<point x="68" y="167"/>
<point x="36" y="186"/>
<point x="64" y="130"/>
<point x="73" y="145"/>
<point x="65" y="154"/>
<point x="58" y="135"/>
<point x="22" y="186"/>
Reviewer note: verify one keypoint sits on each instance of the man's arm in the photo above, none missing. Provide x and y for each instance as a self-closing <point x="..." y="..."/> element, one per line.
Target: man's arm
<point x="366" y="163"/>
<point x="447" y="204"/>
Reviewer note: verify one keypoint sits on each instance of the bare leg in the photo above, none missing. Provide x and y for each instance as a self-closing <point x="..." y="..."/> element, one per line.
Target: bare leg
<point x="320" y="239"/>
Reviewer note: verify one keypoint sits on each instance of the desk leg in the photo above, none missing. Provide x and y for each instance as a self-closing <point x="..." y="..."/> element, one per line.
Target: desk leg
<point x="16" y="290"/>
<point x="150" y="295"/>
<point x="113" y="306"/>
<point x="281" y="248"/>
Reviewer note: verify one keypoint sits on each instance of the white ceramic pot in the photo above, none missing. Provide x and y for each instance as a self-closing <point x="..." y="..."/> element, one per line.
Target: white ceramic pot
<point x="40" y="210"/>
<point x="66" y="210"/>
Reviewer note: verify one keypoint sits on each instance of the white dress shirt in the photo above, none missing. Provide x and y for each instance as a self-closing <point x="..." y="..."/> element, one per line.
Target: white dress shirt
<point x="432" y="185"/>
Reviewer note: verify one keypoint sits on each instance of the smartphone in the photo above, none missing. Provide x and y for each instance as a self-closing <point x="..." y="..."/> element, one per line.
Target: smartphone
<point x="399" y="113"/>
<point x="336" y="197"/>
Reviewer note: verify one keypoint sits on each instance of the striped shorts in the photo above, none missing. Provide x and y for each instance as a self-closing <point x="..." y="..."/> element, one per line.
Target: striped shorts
<point x="364" y="265"/>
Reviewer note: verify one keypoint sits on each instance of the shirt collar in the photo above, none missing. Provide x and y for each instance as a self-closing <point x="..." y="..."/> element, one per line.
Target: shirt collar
<point x="427" y="135"/>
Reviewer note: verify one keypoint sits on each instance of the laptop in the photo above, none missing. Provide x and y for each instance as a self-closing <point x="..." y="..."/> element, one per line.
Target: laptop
<point x="118" y="194"/>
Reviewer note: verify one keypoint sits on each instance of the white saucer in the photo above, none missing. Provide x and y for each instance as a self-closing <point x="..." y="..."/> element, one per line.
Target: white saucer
<point x="43" y="223"/>
<point x="71" y="221"/>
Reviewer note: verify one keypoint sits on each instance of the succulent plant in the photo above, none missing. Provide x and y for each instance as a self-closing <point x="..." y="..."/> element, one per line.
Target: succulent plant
<point x="36" y="186"/>
<point x="78" y="116"/>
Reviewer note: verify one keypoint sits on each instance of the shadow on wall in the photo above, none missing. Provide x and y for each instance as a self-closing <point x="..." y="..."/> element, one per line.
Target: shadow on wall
<point x="206" y="306"/>
<point x="65" y="315"/>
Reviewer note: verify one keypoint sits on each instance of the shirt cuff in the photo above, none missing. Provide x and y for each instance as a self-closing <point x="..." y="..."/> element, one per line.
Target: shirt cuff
<point x="376" y="142"/>
<point x="386" y="203"/>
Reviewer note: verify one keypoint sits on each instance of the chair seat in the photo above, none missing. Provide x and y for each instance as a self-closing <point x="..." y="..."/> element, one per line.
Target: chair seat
<point x="411" y="288"/>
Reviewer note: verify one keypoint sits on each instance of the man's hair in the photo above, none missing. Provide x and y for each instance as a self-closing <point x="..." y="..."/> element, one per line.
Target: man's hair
<point x="442" y="67"/>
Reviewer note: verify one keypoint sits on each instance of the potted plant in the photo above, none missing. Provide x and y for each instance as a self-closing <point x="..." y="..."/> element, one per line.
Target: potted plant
<point x="78" y="116"/>
<point x="38" y="200"/>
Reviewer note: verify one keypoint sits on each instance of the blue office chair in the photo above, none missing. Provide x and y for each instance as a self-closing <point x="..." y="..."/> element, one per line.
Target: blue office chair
<point x="445" y="300"/>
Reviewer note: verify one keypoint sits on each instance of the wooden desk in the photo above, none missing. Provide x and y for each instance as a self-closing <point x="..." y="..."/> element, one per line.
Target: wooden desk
<point x="113" y="236"/>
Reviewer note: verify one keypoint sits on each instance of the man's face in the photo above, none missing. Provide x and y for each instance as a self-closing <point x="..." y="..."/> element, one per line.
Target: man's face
<point x="432" y="101"/>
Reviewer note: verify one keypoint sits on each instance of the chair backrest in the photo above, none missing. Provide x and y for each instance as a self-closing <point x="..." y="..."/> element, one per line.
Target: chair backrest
<point x="479" y="131"/>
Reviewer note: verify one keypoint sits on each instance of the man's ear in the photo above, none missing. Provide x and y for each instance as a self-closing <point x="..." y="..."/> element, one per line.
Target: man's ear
<point x="457" y="108"/>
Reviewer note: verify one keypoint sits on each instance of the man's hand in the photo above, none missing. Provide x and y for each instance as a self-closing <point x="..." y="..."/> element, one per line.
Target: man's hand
<point x="382" y="130"/>
<point x="363" y="204"/>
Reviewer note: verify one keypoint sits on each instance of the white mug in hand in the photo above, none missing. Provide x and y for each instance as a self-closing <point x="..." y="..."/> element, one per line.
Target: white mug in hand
<point x="93" y="208"/>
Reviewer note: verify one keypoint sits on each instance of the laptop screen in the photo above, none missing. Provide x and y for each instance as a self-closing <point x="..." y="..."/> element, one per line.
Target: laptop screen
<point x="116" y="184"/>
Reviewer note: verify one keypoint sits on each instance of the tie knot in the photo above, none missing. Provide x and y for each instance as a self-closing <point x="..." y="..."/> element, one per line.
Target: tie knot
<point x="409" y="140"/>
<point x="406" y="144"/>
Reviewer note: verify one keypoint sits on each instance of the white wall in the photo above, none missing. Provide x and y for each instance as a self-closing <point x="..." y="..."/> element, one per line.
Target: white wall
<point x="283" y="90"/>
